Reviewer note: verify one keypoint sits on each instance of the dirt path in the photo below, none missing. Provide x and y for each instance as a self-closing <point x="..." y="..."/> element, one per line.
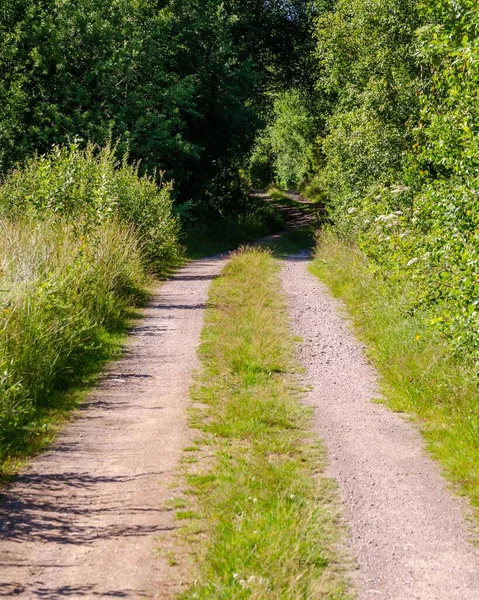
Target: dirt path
<point x="408" y="532"/>
<point x="295" y="217"/>
<point x="81" y="521"/>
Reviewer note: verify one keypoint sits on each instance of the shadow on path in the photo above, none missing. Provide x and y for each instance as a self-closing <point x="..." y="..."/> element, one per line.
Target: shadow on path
<point x="33" y="512"/>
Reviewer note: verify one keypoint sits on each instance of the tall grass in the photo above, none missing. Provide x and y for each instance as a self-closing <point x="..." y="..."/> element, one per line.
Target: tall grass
<point x="79" y="235"/>
<point x="59" y="292"/>
<point x="90" y="186"/>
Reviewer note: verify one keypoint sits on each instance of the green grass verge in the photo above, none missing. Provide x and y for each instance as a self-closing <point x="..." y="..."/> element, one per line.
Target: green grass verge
<point x="45" y="422"/>
<point x="266" y="515"/>
<point x="420" y="375"/>
<point x="65" y="302"/>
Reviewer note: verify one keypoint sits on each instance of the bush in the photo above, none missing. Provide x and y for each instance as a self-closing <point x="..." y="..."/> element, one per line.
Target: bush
<point x="401" y="155"/>
<point x="91" y="186"/>
<point x="286" y="151"/>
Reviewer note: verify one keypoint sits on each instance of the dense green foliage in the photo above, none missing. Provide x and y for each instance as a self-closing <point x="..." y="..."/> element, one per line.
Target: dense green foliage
<point x="91" y="186"/>
<point x="79" y="233"/>
<point x="388" y="140"/>
<point x="286" y="151"/>
<point x="400" y="152"/>
<point x="369" y="70"/>
<point x="60" y="294"/>
<point x="180" y="83"/>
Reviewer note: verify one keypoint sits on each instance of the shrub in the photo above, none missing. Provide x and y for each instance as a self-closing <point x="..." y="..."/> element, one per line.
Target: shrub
<point x="91" y="186"/>
<point x="401" y="170"/>
<point x="286" y="150"/>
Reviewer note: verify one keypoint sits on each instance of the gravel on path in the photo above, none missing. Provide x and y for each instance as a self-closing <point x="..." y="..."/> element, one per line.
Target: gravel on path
<point x="408" y="533"/>
<point x="81" y="521"/>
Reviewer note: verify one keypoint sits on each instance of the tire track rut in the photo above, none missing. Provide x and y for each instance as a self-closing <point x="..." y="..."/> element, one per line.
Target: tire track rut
<point x="81" y="520"/>
<point x="408" y="532"/>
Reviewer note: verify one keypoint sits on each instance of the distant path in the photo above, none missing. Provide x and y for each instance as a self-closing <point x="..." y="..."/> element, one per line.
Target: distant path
<point x="296" y="196"/>
<point x="81" y="521"/>
<point x="408" y="532"/>
<point x="295" y="217"/>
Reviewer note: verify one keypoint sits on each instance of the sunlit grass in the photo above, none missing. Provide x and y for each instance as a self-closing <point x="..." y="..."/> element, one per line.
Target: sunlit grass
<point x="419" y="373"/>
<point x="267" y="518"/>
<point x="65" y="299"/>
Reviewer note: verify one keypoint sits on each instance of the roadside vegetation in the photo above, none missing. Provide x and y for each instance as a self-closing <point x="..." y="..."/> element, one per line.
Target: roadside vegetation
<point x="183" y="85"/>
<point x="385" y="137"/>
<point x="420" y="374"/>
<point x="389" y="130"/>
<point x="266" y="513"/>
<point x="81" y="236"/>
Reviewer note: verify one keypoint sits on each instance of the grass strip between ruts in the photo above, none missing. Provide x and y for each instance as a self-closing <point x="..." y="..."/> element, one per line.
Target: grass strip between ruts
<point x="266" y="514"/>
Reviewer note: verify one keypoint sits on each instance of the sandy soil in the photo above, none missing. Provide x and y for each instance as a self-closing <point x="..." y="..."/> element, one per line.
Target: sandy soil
<point x="408" y="532"/>
<point x="81" y="521"/>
